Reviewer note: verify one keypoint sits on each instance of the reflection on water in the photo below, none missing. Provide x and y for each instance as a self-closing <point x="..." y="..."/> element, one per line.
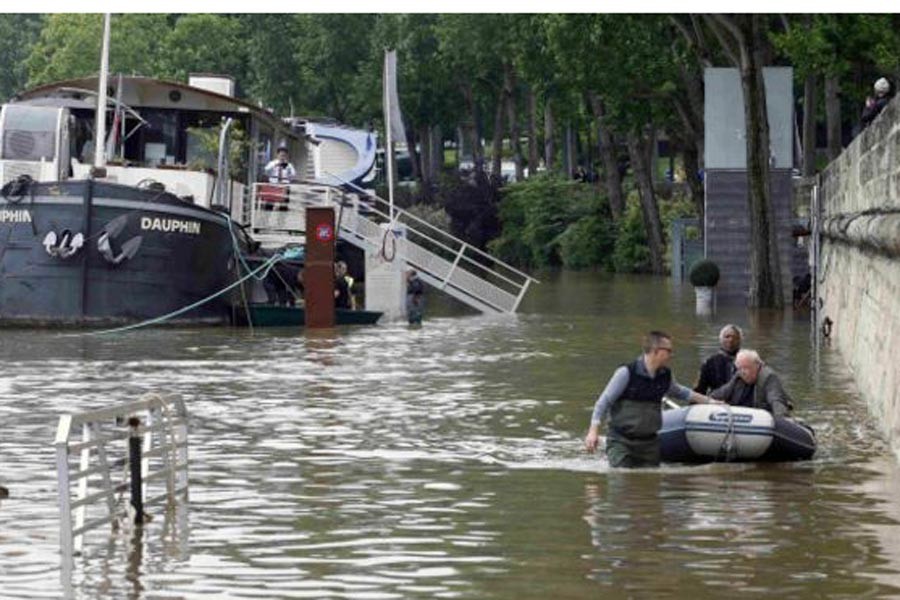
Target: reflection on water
<point x="446" y="461"/>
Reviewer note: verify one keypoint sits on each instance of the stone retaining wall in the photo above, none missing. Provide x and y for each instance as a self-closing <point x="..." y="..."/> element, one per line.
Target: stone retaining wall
<point x="859" y="266"/>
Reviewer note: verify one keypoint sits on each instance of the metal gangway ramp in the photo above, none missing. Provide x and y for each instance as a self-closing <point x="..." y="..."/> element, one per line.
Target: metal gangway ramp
<point x="277" y="217"/>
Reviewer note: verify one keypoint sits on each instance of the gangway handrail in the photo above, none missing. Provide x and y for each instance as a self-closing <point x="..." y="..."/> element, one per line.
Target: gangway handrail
<point x="161" y="422"/>
<point x="459" y="253"/>
<point x="325" y="190"/>
<point x="453" y="265"/>
<point x="430" y="226"/>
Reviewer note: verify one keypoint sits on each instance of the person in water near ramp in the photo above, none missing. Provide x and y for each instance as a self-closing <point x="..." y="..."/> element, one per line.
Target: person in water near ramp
<point x="633" y="397"/>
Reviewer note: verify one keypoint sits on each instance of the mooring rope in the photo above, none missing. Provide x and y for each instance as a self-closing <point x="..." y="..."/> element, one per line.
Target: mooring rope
<point x="266" y="267"/>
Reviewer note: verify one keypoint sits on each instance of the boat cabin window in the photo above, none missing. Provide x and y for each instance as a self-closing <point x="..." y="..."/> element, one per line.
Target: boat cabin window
<point x="159" y="138"/>
<point x="29" y="133"/>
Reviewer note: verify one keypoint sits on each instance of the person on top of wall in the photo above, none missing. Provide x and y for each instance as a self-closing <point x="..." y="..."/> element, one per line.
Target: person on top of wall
<point x="874" y="105"/>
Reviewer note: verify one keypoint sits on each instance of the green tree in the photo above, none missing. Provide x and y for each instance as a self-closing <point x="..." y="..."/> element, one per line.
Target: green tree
<point x="18" y="33"/>
<point x="69" y="46"/>
<point x="204" y="43"/>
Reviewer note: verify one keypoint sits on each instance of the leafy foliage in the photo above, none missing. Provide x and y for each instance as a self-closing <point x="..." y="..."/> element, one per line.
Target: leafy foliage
<point x="549" y="221"/>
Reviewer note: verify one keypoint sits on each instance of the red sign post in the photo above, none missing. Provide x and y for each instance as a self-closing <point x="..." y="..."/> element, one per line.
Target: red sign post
<point x="318" y="272"/>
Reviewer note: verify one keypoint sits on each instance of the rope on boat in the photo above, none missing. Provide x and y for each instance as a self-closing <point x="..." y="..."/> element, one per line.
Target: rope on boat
<point x="264" y="268"/>
<point x="728" y="448"/>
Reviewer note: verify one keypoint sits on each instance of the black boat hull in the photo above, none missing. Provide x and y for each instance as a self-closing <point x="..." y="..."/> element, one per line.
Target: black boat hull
<point x="184" y="255"/>
<point x="264" y="315"/>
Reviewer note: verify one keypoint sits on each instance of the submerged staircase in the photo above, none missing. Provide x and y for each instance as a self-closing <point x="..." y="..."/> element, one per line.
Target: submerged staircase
<point x="278" y="217"/>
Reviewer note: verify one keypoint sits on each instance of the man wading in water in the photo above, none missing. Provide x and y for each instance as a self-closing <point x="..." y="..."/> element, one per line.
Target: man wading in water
<point x="633" y="398"/>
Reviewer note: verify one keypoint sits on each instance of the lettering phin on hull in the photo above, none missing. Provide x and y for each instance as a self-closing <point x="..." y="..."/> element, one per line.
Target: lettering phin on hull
<point x="170" y="225"/>
<point x="15" y="216"/>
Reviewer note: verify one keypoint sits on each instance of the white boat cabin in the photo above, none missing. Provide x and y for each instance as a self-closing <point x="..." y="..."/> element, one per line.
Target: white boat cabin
<point x="163" y="131"/>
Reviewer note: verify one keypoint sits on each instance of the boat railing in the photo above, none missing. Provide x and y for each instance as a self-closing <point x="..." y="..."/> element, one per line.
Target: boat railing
<point x="140" y="446"/>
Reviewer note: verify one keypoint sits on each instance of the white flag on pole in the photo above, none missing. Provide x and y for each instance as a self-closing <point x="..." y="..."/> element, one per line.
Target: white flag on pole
<point x="392" y="117"/>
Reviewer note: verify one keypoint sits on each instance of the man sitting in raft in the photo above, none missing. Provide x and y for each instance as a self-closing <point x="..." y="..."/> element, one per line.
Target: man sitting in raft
<point x="755" y="385"/>
<point x="718" y="369"/>
<point x="633" y="398"/>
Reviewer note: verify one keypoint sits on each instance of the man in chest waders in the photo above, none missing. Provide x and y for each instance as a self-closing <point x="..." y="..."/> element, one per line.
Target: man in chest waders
<point x="633" y="398"/>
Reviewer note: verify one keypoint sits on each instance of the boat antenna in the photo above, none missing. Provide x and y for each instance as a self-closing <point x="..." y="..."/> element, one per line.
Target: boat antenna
<point x="100" y="140"/>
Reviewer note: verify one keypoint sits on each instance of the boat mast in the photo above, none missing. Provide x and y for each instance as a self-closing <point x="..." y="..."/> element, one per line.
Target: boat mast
<point x="100" y="140"/>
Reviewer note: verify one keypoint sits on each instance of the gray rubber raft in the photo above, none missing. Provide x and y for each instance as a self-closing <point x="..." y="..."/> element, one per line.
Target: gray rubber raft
<point x="715" y="432"/>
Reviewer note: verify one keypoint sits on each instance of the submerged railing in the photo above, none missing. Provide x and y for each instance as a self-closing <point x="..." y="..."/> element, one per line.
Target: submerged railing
<point x="136" y="447"/>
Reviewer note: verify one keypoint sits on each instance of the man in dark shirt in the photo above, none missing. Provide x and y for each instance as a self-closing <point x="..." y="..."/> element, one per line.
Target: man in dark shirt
<point x="875" y="105"/>
<point x="718" y="369"/>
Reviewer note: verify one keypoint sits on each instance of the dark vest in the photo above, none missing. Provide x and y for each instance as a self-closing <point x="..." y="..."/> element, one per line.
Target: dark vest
<point x="637" y="414"/>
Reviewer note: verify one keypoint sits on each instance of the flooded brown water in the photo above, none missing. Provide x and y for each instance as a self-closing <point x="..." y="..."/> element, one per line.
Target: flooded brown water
<point x="447" y="462"/>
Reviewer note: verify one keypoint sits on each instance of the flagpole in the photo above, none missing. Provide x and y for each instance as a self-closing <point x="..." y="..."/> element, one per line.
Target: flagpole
<point x="100" y="138"/>
<point x="389" y="142"/>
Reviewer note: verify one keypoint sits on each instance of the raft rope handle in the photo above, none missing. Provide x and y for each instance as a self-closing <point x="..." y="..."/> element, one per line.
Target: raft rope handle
<point x="728" y="442"/>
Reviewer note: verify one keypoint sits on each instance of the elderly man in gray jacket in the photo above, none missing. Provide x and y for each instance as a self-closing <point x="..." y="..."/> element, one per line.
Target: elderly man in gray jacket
<point x="755" y="385"/>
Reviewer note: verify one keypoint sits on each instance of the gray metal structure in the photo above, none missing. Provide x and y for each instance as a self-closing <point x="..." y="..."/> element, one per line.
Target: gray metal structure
<point x="685" y="251"/>
<point x="726" y="138"/>
<point x="727" y="226"/>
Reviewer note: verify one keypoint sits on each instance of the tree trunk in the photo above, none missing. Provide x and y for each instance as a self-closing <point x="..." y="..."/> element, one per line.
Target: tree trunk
<point x="569" y="153"/>
<point x="437" y="152"/>
<point x="809" y="126"/>
<point x="765" y="266"/>
<point x="607" y="150"/>
<point x="497" y="142"/>
<point x="470" y="127"/>
<point x="425" y="155"/>
<point x="549" y="126"/>
<point x="513" y="116"/>
<point x="691" y="157"/>
<point x="638" y="150"/>
<point x="833" y="115"/>
<point x="533" y="160"/>
<point x="413" y="155"/>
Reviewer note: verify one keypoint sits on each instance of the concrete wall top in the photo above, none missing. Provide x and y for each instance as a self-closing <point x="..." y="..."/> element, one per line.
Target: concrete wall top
<point x="866" y="175"/>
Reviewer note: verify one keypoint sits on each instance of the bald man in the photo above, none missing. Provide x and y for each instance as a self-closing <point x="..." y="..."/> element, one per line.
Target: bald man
<point x="755" y="385"/>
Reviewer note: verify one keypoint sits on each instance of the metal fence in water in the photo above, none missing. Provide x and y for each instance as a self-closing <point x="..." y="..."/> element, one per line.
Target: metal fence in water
<point x="139" y="448"/>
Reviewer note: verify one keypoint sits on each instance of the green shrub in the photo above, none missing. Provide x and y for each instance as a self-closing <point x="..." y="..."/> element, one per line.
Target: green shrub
<point x="551" y="221"/>
<point x="631" y="253"/>
<point x="588" y="242"/>
<point x="704" y="273"/>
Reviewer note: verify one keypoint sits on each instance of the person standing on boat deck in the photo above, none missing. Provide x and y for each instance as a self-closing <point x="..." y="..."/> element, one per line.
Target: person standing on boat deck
<point x="633" y="398"/>
<point x="718" y="369"/>
<point x="756" y="385"/>
<point x="281" y="170"/>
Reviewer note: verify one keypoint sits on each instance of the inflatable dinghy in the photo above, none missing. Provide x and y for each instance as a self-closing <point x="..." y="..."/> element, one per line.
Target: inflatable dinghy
<point x="716" y="432"/>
